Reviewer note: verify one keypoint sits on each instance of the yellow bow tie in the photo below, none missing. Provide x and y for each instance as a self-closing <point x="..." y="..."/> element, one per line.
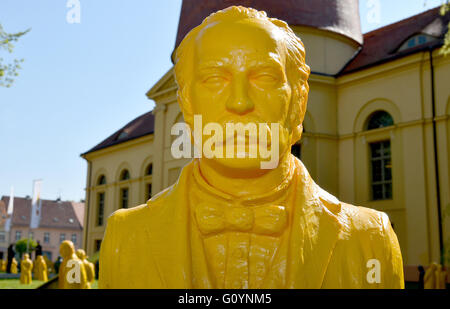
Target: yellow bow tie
<point x="266" y="220"/>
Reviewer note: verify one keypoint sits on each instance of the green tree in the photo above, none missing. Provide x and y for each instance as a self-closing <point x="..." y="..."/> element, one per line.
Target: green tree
<point x="445" y="9"/>
<point x="8" y="71"/>
<point x="21" y="246"/>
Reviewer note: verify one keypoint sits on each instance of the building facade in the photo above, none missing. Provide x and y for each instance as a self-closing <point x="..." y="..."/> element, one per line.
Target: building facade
<point x="60" y="220"/>
<point x="377" y="126"/>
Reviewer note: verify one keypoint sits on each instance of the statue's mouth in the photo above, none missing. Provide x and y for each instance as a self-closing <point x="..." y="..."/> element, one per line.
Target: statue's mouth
<point x="245" y="139"/>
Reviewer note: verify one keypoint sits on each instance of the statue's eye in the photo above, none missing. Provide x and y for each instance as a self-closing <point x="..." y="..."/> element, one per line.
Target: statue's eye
<point x="215" y="79"/>
<point x="264" y="78"/>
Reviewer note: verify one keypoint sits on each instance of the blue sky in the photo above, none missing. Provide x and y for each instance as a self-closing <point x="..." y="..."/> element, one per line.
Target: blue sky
<point x="81" y="82"/>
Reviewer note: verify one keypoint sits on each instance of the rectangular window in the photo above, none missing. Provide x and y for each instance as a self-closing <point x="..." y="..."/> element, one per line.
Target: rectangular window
<point x="2" y="237"/>
<point x="149" y="191"/>
<point x="74" y="239"/>
<point x="46" y="237"/>
<point x="124" y="197"/>
<point x="381" y="170"/>
<point x="101" y="208"/>
<point x="18" y="235"/>
<point x="48" y="254"/>
<point x="62" y="237"/>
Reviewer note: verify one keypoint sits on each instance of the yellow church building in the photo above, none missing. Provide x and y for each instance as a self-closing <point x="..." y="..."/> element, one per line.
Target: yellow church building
<point x="377" y="126"/>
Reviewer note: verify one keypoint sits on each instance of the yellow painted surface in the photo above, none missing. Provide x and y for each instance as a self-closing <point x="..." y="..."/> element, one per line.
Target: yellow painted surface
<point x="40" y="269"/>
<point x="334" y="145"/>
<point x="88" y="266"/>
<point x="72" y="272"/>
<point x="14" y="266"/>
<point x="26" y="265"/>
<point x="227" y="223"/>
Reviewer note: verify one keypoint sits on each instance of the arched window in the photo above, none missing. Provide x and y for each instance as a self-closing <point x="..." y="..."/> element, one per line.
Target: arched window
<point x="379" y="119"/>
<point x="417" y="40"/>
<point x="125" y="175"/>
<point x="149" y="170"/>
<point x="101" y="180"/>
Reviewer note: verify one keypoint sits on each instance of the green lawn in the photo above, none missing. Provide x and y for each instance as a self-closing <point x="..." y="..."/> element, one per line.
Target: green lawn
<point x="15" y="284"/>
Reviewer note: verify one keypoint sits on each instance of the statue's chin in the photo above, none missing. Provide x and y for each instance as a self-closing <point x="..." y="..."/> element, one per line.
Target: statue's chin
<point x="244" y="165"/>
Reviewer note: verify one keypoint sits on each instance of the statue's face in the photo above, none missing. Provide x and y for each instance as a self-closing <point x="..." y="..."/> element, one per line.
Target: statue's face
<point x="239" y="76"/>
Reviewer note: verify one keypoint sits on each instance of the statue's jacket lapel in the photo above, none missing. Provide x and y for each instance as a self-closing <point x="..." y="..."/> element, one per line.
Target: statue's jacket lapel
<point x="315" y="231"/>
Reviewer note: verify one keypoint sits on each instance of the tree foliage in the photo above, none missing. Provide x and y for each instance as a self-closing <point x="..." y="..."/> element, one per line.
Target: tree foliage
<point x="445" y="9"/>
<point x="8" y="71"/>
<point x="21" y="245"/>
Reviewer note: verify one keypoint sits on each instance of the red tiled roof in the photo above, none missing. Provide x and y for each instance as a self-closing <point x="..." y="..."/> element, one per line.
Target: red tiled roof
<point x="55" y="214"/>
<point x="382" y="44"/>
<point x="141" y="126"/>
<point x="79" y="212"/>
<point x="341" y="16"/>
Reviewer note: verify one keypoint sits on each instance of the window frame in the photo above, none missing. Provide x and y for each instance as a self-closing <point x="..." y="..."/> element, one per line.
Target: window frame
<point x="46" y="237"/>
<point x="20" y="235"/>
<point x="100" y="214"/>
<point x="122" y="190"/>
<point x="384" y="159"/>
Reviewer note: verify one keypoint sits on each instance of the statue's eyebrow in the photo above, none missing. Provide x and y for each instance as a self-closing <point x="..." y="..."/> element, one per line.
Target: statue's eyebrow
<point x="271" y="62"/>
<point x="211" y="64"/>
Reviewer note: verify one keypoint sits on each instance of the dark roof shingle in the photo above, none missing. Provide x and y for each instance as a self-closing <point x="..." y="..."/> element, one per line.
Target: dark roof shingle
<point x="381" y="45"/>
<point x="141" y="126"/>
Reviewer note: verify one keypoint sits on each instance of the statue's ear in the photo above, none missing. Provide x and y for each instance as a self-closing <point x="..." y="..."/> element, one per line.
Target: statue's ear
<point x="297" y="133"/>
<point x="297" y="112"/>
<point x="185" y="107"/>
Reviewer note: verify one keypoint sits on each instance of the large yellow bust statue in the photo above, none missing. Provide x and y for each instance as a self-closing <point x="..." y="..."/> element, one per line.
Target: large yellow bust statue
<point x="228" y="222"/>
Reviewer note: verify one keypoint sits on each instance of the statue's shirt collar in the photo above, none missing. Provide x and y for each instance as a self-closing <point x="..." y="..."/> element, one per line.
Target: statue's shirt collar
<point x="271" y="196"/>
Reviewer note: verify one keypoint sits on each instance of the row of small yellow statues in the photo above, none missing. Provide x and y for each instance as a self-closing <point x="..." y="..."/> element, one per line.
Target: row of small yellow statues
<point x="42" y="260"/>
<point x="40" y="268"/>
<point x="75" y="272"/>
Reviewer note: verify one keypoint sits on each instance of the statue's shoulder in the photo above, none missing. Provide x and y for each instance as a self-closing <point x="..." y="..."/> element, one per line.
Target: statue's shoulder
<point x="363" y="219"/>
<point x="153" y="205"/>
<point x="154" y="208"/>
<point x="127" y="214"/>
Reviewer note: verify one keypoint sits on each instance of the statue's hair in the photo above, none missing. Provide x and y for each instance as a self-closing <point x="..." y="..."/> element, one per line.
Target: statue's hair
<point x="296" y="69"/>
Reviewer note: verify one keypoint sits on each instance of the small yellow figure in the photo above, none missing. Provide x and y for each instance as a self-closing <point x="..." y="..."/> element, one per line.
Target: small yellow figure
<point x="441" y="277"/>
<point x="50" y="265"/>
<point x="3" y="265"/>
<point x="89" y="267"/>
<point x="72" y="273"/>
<point x="25" y="269"/>
<point x="40" y="269"/>
<point x="14" y="266"/>
<point x="429" y="280"/>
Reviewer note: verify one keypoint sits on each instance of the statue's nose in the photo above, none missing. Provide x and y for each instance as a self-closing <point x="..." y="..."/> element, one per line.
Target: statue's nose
<point x="239" y="102"/>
